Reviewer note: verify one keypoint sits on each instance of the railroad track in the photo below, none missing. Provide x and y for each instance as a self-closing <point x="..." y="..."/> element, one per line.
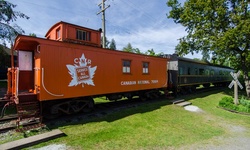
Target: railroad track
<point x="9" y="123"/>
<point x="8" y="117"/>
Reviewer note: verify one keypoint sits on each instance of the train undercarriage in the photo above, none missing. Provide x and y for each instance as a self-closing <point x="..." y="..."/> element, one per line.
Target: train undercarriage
<point x="28" y="107"/>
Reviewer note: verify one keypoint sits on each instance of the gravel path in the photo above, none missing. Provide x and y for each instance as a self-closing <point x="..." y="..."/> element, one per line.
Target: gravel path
<point x="238" y="139"/>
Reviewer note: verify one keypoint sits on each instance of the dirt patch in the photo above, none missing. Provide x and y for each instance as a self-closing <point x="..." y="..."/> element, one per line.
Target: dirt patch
<point x="192" y="108"/>
<point x="237" y="137"/>
<point x="54" y="147"/>
<point x="237" y="142"/>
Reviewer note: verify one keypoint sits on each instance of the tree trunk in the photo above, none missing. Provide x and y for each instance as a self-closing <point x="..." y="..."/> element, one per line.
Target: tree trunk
<point x="245" y="75"/>
<point x="247" y="85"/>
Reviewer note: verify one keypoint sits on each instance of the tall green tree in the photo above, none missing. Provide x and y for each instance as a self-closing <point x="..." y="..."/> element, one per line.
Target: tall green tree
<point x="137" y="51"/>
<point x="215" y="27"/>
<point x="9" y="32"/>
<point x="112" y="45"/>
<point x="32" y="34"/>
<point x="128" y="48"/>
<point x="151" y="52"/>
<point x="4" y="57"/>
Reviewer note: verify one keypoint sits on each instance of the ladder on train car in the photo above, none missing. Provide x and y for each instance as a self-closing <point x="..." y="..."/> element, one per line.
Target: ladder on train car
<point x="28" y="109"/>
<point x="27" y="105"/>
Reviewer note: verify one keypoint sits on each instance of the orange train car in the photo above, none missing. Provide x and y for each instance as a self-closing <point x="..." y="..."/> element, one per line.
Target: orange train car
<point x="63" y="77"/>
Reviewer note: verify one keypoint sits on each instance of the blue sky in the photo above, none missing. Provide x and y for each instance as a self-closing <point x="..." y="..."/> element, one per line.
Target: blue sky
<point x="142" y="23"/>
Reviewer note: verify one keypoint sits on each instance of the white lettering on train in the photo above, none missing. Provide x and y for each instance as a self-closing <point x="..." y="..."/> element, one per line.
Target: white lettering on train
<point x="128" y="82"/>
<point x="154" y="81"/>
<point x="143" y="82"/>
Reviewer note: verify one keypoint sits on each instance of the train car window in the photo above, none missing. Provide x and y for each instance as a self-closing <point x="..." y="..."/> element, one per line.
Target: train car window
<point x="212" y="72"/>
<point x="207" y="72"/>
<point x="126" y="66"/>
<point x="145" y="66"/>
<point x="25" y="60"/>
<point x="196" y="71"/>
<point x="201" y="71"/>
<point x="58" y="35"/>
<point x="82" y="35"/>
<point x="189" y="70"/>
<point x="180" y="70"/>
<point x="220" y="72"/>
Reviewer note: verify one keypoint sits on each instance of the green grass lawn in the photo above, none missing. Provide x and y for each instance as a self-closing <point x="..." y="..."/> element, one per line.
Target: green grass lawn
<point x="156" y="125"/>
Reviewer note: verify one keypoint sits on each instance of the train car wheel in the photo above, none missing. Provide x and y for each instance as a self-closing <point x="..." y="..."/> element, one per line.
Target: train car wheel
<point x="183" y="91"/>
<point x="193" y="89"/>
<point x="48" y="115"/>
<point x="143" y="98"/>
<point x="206" y="85"/>
<point x="90" y="105"/>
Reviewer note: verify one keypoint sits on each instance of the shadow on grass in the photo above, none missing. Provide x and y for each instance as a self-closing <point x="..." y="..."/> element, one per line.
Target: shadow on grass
<point x="118" y="113"/>
<point x="225" y="90"/>
<point x="111" y="114"/>
<point x="230" y="92"/>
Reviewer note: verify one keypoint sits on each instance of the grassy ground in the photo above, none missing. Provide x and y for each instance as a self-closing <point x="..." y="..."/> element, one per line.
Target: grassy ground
<point x="156" y="125"/>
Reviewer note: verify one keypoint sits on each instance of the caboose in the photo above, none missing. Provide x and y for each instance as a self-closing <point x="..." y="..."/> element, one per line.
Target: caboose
<point x="63" y="72"/>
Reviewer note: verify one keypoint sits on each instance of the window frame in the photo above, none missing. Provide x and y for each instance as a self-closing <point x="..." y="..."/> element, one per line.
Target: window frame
<point x="145" y="67"/>
<point x="126" y="66"/>
<point x="83" y="35"/>
<point x="58" y="33"/>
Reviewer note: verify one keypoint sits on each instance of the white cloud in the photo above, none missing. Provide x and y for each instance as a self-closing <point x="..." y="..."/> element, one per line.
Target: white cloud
<point x="143" y="24"/>
<point x="161" y="40"/>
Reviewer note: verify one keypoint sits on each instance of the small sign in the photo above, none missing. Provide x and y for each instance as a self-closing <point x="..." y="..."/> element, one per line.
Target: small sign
<point x="235" y="77"/>
<point x="82" y="73"/>
<point x="235" y="83"/>
<point x="231" y="84"/>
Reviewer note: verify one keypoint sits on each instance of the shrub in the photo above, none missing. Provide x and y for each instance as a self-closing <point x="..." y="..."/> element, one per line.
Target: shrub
<point x="246" y="103"/>
<point x="228" y="103"/>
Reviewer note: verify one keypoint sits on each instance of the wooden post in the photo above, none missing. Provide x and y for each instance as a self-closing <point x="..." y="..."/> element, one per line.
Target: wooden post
<point x="235" y="82"/>
<point x="236" y="101"/>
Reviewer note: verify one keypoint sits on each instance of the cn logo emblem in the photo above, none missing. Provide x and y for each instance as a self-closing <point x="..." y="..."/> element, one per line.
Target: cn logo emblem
<point x="81" y="72"/>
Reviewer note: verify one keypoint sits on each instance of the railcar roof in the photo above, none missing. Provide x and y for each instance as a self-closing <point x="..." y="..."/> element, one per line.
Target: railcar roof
<point x="62" y="22"/>
<point x="201" y="62"/>
<point x="23" y="42"/>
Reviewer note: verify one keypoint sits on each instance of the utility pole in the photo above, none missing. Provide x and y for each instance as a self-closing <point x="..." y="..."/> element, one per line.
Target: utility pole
<point x="103" y="8"/>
